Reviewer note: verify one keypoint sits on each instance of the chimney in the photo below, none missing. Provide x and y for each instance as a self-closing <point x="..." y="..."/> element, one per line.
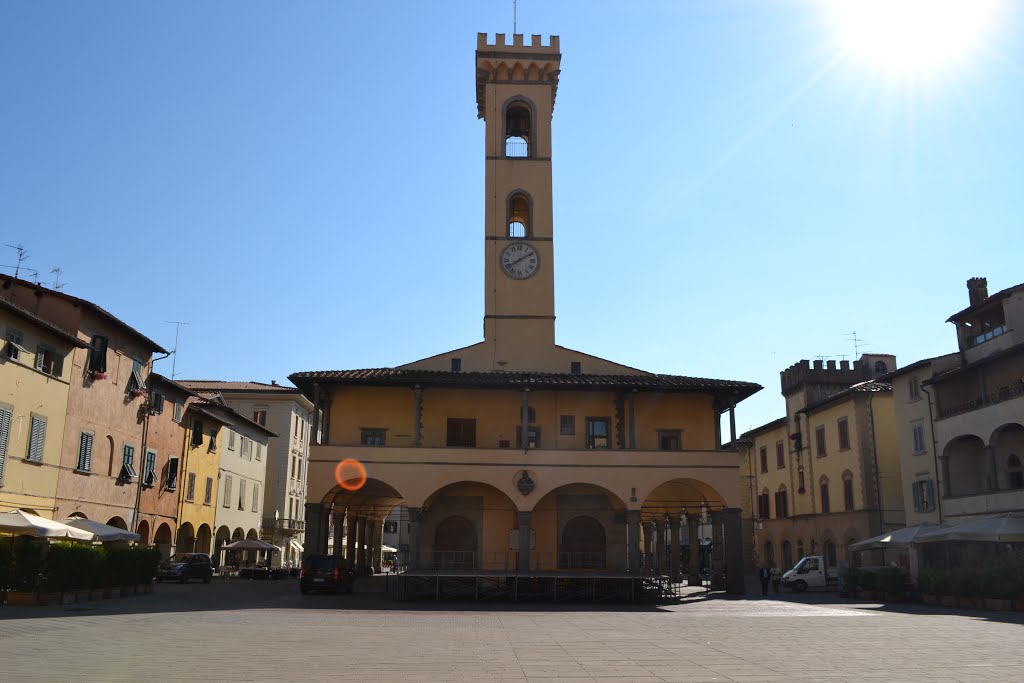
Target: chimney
<point x="273" y="382"/>
<point x="977" y="290"/>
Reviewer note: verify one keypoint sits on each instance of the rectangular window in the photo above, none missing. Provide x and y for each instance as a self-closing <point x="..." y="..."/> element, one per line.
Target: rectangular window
<point x="135" y="382"/>
<point x="764" y="510"/>
<point x="918" y="433"/>
<point x="227" y="491"/>
<point x="172" y="474"/>
<point x="36" y="439"/>
<point x="764" y="459"/>
<point x="598" y="429"/>
<point x="844" y="434"/>
<point x="208" y="494"/>
<point x="241" y="494"/>
<point x="156" y="403"/>
<point x="255" y="497"/>
<point x="780" y="455"/>
<point x="149" y="469"/>
<point x="13" y="348"/>
<point x="372" y="437"/>
<point x="5" y="435"/>
<point x="800" y="481"/>
<point x="247" y="448"/>
<point x="924" y="496"/>
<point x="391" y="527"/>
<point x="85" y="452"/>
<point x="293" y="466"/>
<point x="848" y="494"/>
<point x="98" y="354"/>
<point x="461" y="432"/>
<point x="575" y="367"/>
<point x="212" y="447"/>
<point x="826" y="505"/>
<point x="178" y="407"/>
<point x="197" y="432"/>
<point x="260" y="417"/>
<point x="49" y="362"/>
<point x="456" y="365"/>
<point x="533" y="436"/>
<point x="259" y="451"/>
<point x="670" y="440"/>
<point x="913" y="389"/>
<point x="819" y="440"/>
<point x="128" y="463"/>
<point x="567" y="425"/>
<point x="781" y="504"/>
<point x="190" y="488"/>
<point x="231" y="439"/>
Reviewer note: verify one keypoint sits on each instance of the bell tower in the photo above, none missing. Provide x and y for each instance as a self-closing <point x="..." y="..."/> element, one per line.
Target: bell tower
<point x="515" y="95"/>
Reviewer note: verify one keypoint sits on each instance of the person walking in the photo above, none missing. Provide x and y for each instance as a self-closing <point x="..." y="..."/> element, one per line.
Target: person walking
<point x="765" y="576"/>
<point x="776" y="575"/>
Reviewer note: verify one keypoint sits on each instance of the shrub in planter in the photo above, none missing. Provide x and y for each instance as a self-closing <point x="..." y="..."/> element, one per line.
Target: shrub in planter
<point x="28" y="564"/>
<point x="6" y="565"/>
<point x="61" y="559"/>
<point x="890" y="582"/>
<point x="148" y="559"/>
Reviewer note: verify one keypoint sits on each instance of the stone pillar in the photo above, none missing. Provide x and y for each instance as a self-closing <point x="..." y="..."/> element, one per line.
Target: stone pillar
<point x="523" y="561"/>
<point x="415" y="523"/>
<point x="693" y="522"/>
<point x="339" y="533"/>
<point x="376" y="543"/>
<point x="633" y="549"/>
<point x="363" y="529"/>
<point x="659" y="546"/>
<point x="524" y="427"/>
<point x="992" y="469"/>
<point x="677" y="551"/>
<point x="717" y="577"/>
<point x="350" y="540"/>
<point x="733" y="564"/>
<point x="648" y="548"/>
<point x="314" y="534"/>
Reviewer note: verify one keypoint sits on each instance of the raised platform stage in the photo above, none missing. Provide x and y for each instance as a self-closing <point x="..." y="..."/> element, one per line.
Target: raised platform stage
<point x="555" y="586"/>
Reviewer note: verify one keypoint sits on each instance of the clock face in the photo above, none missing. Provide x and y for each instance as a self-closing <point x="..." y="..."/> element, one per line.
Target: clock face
<point x="519" y="260"/>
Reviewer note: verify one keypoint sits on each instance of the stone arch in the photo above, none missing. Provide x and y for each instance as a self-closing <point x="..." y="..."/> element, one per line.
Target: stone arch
<point x="221" y="539"/>
<point x="519" y="126"/>
<point x="117" y="522"/>
<point x="237" y="535"/>
<point x="162" y="539"/>
<point x="455" y="543"/>
<point x="1007" y="443"/>
<point x="583" y="545"/>
<point x="186" y="540"/>
<point x="73" y="515"/>
<point x="965" y="460"/>
<point x="489" y="511"/>
<point x="204" y="536"/>
<point x="679" y="496"/>
<point x="143" y="532"/>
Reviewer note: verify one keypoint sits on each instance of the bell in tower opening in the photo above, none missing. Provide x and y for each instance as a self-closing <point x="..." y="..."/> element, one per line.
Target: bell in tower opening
<point x="517" y="131"/>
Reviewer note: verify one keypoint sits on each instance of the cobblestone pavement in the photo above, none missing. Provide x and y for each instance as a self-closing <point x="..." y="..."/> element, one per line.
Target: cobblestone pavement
<point x="249" y="631"/>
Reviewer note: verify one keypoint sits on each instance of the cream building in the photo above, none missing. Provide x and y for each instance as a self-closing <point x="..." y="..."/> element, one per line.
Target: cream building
<point x="515" y="454"/>
<point x="35" y="372"/>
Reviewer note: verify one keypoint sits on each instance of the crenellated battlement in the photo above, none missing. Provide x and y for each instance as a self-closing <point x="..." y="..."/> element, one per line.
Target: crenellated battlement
<point x="536" y="44"/>
<point x="821" y="373"/>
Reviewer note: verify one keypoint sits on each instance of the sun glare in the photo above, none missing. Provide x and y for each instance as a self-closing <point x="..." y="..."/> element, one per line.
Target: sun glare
<point x="912" y="35"/>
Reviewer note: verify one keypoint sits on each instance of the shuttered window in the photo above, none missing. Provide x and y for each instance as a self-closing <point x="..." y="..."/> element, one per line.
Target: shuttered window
<point x="36" y="439"/>
<point x="190" y="487"/>
<point x="98" y="354"/>
<point x="255" y="497"/>
<point x="172" y="474"/>
<point x="208" y="495"/>
<point x="241" y="494"/>
<point x="227" y="491"/>
<point x="5" y="433"/>
<point x="85" y="452"/>
<point x="149" y="474"/>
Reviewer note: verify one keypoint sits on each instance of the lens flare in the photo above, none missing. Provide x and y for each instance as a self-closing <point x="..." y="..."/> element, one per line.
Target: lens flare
<point x="350" y="474"/>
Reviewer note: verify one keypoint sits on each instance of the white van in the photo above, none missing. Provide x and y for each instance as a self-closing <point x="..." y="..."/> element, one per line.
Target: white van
<point x="809" y="572"/>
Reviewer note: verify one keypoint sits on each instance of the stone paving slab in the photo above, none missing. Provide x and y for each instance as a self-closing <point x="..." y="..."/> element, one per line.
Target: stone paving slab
<point x="261" y="631"/>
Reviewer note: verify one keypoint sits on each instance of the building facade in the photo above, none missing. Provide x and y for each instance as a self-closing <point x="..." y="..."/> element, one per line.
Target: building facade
<point x="35" y="374"/>
<point x="516" y="453"/>
<point x="197" y="486"/>
<point x="828" y="473"/>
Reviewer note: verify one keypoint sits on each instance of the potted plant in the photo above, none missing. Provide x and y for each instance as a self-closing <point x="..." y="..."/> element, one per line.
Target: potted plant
<point x="966" y="586"/>
<point x="890" y="583"/>
<point x="928" y="581"/>
<point x="96" y="375"/>
<point x="60" y="559"/>
<point x="27" y="567"/>
<point x="869" y="585"/>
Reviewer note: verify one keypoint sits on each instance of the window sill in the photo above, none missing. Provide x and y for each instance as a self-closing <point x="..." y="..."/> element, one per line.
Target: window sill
<point x="920" y="453"/>
<point x="822" y="455"/>
<point x="841" y="450"/>
<point x="172" y="488"/>
<point x="85" y="472"/>
<point x="32" y="461"/>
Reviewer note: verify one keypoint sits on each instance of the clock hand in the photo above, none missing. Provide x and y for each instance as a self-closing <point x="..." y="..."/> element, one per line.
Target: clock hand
<point x="521" y="258"/>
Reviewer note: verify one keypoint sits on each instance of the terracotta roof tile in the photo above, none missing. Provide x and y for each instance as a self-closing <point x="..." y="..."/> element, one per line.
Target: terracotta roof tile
<point x="219" y="385"/>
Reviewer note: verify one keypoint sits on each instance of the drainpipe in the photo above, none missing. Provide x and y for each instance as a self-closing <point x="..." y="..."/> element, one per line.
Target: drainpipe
<point x="142" y="454"/>
<point x="874" y="455"/>
<point x="939" y="486"/>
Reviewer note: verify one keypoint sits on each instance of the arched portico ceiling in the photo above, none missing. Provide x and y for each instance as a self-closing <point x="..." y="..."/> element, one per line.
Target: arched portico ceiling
<point x="374" y="499"/>
<point x="680" y="495"/>
<point x="252" y="535"/>
<point x="470" y="488"/>
<point x="1009" y="433"/>
<point x="163" y="534"/>
<point x="579" y="489"/>
<point x="223" y="534"/>
<point x="117" y="522"/>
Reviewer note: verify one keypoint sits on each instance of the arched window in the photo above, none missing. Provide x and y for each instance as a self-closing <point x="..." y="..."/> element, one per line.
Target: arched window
<point x="830" y="554"/>
<point x="769" y="553"/>
<point x="848" y="490"/>
<point x="518" y="129"/>
<point x="1015" y="475"/>
<point x="787" y="555"/>
<point x="826" y="502"/>
<point x="880" y="367"/>
<point x="518" y="215"/>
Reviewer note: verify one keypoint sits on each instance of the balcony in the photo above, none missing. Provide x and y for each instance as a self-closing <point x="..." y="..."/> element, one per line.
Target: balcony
<point x="284" y="524"/>
<point x="1007" y="394"/>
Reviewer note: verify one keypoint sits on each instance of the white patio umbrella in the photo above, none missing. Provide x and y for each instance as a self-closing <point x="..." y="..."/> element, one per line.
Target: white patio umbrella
<point x="1008" y="528"/>
<point x="388" y="549"/>
<point x="103" y="532"/>
<point x="23" y="524"/>
<point x="249" y="544"/>
<point x="900" y="538"/>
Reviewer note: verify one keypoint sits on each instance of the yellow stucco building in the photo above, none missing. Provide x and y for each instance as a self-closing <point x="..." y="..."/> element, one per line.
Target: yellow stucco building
<point x="515" y="454"/>
<point x="35" y="376"/>
<point x="197" y="481"/>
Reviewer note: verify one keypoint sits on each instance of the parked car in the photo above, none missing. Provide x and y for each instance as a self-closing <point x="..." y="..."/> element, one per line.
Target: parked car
<point x="325" y="573"/>
<point x="185" y="566"/>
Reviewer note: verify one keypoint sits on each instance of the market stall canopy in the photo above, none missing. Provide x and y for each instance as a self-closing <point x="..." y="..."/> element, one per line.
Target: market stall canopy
<point x="1008" y="528"/>
<point x="23" y="524"/>
<point x="901" y="538"/>
<point x="102" y="532"/>
<point x="388" y="549"/>
<point x="249" y="544"/>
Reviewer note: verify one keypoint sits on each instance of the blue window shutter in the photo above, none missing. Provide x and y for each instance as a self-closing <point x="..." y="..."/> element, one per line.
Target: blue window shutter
<point x="917" y="497"/>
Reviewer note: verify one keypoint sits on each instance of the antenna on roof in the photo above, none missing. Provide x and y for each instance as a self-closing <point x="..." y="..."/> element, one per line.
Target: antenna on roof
<point x="56" y="271"/>
<point x="857" y="343"/>
<point x="514" y="8"/>
<point x="174" y="351"/>
<point x="22" y="255"/>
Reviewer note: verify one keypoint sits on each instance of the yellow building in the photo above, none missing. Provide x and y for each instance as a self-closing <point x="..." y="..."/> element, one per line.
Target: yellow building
<point x="828" y="473"/>
<point x="197" y="482"/>
<point x="516" y="454"/>
<point x="35" y="376"/>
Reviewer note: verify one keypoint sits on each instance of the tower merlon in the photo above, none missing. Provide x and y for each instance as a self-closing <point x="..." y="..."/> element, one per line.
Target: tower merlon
<point x="536" y="42"/>
<point x="501" y="62"/>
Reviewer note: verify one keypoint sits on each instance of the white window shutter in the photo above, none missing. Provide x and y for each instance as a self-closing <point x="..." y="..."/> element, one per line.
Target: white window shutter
<point x="5" y="433"/>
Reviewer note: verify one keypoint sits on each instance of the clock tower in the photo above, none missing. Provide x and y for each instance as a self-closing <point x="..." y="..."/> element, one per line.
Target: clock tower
<point x="515" y="95"/>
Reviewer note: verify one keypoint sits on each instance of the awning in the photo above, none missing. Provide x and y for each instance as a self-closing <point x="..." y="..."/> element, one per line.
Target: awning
<point x="295" y="545"/>
<point x="1008" y="528"/>
<point x="23" y="524"/>
<point x="900" y="538"/>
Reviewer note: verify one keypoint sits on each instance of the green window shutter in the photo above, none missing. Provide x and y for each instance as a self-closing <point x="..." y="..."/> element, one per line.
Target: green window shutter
<point x="915" y="489"/>
<point x="5" y="433"/>
<point x="931" y="494"/>
<point x="37" y="439"/>
<point x="85" y="452"/>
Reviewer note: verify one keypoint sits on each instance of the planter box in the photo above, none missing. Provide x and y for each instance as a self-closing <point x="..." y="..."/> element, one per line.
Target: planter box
<point x="930" y="599"/>
<point x="998" y="604"/>
<point x="21" y="598"/>
<point x="126" y="591"/>
<point x="107" y="593"/>
<point x="969" y="603"/>
<point x="147" y="588"/>
<point x="947" y="600"/>
<point x="1018" y="605"/>
<point x="893" y="597"/>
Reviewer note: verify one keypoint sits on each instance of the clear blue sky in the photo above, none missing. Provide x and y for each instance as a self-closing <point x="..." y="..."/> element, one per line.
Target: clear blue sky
<point x="303" y="182"/>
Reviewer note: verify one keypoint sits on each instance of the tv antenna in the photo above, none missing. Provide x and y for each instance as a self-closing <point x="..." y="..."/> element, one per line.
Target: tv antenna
<point x="56" y="271"/>
<point x="514" y="18"/>
<point x="174" y="352"/>
<point x="857" y="343"/>
<point x="22" y="256"/>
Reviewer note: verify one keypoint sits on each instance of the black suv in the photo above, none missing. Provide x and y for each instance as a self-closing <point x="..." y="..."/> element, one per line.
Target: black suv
<point x="184" y="566"/>
<point x="325" y="573"/>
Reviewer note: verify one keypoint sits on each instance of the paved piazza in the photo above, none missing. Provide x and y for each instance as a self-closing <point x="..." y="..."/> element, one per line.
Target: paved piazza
<point x="250" y="631"/>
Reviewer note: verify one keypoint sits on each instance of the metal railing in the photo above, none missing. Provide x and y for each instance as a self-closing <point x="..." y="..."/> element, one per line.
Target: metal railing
<point x="455" y="559"/>
<point x="284" y="524"/>
<point x="517" y="147"/>
<point x="582" y="560"/>
<point x="989" y="399"/>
